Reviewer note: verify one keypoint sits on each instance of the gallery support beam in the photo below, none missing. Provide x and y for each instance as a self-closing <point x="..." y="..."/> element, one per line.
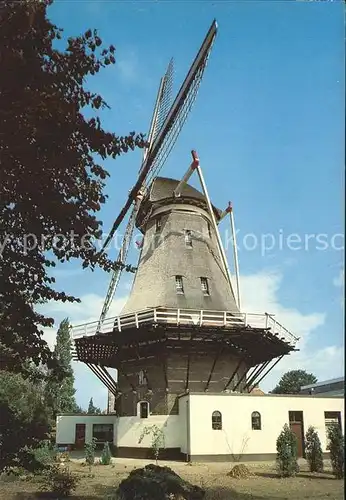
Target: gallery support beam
<point x="255" y="374"/>
<point x="234" y="374"/>
<point x="269" y="369"/>
<point x="218" y="354"/>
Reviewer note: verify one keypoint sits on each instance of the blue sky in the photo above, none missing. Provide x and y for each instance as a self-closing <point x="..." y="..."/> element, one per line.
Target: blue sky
<point x="268" y="125"/>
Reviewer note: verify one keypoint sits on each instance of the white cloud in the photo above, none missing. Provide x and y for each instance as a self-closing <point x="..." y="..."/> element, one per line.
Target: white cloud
<point x="260" y="293"/>
<point x="89" y="309"/>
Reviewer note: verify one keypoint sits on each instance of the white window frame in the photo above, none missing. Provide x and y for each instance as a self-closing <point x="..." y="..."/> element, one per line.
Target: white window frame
<point x="216" y="420"/>
<point x="188" y="238"/>
<point x="179" y="285"/>
<point x="141" y="378"/>
<point x="205" y="285"/>
<point x="158" y="224"/>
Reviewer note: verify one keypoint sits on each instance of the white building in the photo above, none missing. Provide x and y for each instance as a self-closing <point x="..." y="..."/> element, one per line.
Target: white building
<point x="209" y="427"/>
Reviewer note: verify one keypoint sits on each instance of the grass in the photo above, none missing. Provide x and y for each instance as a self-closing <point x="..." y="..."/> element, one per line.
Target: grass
<point x="101" y="482"/>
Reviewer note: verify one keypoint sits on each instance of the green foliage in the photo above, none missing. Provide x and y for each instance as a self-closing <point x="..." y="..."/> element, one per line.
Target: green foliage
<point x="292" y="381"/>
<point x="23" y="421"/>
<point x="286" y="458"/>
<point x="156" y="483"/>
<point x="157" y="441"/>
<point x="59" y="391"/>
<point x="60" y="481"/>
<point x="90" y="449"/>
<point x="92" y="409"/>
<point x="45" y="454"/>
<point x="78" y="409"/>
<point x="313" y="449"/>
<point x="106" y="456"/>
<point x="52" y="186"/>
<point x="336" y="447"/>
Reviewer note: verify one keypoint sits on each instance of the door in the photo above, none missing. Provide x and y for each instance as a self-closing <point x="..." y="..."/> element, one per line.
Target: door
<point x="296" y="421"/>
<point x="80" y="436"/>
<point x="297" y="428"/>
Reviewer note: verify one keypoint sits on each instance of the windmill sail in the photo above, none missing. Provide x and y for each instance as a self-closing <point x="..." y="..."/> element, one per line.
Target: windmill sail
<point x="161" y="108"/>
<point x="172" y="125"/>
<point x="166" y="98"/>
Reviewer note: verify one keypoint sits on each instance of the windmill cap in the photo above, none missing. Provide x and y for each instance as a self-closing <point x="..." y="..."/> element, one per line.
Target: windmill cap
<point x="162" y="188"/>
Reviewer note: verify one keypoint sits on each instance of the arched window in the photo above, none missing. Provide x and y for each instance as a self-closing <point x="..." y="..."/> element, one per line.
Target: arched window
<point x="216" y="421"/>
<point x="144" y="409"/>
<point x="256" y="421"/>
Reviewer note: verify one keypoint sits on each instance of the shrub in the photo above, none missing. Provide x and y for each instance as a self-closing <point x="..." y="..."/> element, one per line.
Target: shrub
<point x="313" y="449"/>
<point x="155" y="483"/>
<point x="106" y="456"/>
<point x="45" y="454"/>
<point x="337" y="450"/>
<point x="286" y="447"/>
<point x="60" y="481"/>
<point x="157" y="440"/>
<point x="90" y="452"/>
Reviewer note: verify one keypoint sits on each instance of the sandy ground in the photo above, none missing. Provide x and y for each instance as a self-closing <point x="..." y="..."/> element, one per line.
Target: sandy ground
<point x="100" y="482"/>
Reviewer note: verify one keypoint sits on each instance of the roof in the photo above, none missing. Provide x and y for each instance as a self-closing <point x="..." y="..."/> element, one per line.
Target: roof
<point x="246" y="394"/>
<point x="324" y="382"/>
<point x="162" y="188"/>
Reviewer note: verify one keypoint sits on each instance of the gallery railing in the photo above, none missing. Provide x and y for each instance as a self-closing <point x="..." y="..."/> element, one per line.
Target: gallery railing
<point x="163" y="315"/>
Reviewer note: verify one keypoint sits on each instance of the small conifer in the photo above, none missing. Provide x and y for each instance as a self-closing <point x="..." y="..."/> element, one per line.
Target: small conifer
<point x="106" y="456"/>
<point x="286" y="447"/>
<point x="337" y="450"/>
<point x="313" y="449"/>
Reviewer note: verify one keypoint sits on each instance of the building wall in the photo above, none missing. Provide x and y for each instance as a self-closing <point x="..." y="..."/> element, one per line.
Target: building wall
<point x="190" y="432"/>
<point x="127" y="430"/>
<point x="237" y="437"/>
<point x="66" y="426"/>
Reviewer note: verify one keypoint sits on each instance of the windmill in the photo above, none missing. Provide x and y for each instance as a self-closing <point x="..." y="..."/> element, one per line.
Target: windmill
<point x="182" y="328"/>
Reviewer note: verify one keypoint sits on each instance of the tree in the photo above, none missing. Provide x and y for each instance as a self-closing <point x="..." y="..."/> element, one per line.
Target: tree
<point x="292" y="381"/>
<point x="23" y="420"/>
<point x="313" y="449"/>
<point x="93" y="409"/>
<point x="52" y="182"/>
<point x="60" y="393"/>
<point x="286" y="447"/>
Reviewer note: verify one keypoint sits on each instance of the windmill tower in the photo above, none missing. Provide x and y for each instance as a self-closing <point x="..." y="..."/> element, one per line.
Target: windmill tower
<point x="182" y="328"/>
